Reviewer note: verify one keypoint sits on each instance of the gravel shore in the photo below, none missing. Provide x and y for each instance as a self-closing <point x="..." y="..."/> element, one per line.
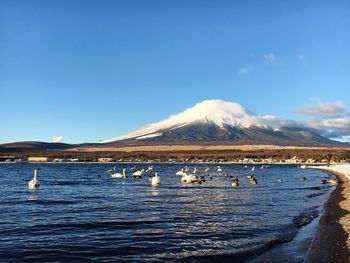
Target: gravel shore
<point x="331" y="242"/>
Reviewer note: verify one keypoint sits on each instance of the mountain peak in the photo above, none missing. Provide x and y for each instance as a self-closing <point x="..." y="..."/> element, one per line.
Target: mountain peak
<point x="219" y="113"/>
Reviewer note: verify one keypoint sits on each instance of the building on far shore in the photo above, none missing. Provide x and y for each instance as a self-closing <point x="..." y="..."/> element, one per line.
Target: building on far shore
<point x="38" y="159"/>
<point x="7" y="158"/>
<point x="294" y="160"/>
<point x="105" y="160"/>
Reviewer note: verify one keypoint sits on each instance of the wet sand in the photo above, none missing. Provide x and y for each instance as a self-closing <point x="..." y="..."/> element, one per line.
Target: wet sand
<point x="331" y="242"/>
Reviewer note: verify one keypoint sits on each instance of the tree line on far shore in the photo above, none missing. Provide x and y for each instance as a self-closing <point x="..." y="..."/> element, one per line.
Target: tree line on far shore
<point x="318" y="155"/>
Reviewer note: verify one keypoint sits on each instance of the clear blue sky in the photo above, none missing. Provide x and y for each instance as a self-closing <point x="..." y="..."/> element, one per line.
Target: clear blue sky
<point x="90" y="70"/>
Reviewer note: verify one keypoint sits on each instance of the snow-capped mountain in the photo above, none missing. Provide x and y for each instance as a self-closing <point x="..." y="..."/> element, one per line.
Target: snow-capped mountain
<point x="226" y="122"/>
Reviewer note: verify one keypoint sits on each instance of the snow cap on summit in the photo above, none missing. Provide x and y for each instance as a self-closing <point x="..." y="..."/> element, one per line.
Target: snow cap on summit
<point x="218" y="112"/>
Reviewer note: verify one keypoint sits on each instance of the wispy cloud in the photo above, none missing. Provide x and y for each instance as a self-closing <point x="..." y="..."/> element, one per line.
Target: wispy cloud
<point x="246" y="69"/>
<point x="270" y="57"/>
<point x="57" y="138"/>
<point x="329" y="119"/>
<point x="324" y="110"/>
<point x="338" y="128"/>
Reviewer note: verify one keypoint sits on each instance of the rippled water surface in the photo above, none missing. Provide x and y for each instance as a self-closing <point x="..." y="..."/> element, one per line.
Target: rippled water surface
<point x="80" y="213"/>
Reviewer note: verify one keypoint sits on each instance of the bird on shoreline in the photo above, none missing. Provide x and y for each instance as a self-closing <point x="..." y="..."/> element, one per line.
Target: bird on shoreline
<point x="34" y="183"/>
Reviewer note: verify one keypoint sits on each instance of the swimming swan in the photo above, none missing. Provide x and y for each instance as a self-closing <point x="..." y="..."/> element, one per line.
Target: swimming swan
<point x="138" y="173"/>
<point x="190" y="178"/>
<point x="34" y="183"/>
<point x="181" y="172"/>
<point x="119" y="175"/>
<point x="155" y="180"/>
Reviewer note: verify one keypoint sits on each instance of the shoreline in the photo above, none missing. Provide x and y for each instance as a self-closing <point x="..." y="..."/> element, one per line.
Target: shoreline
<point x="330" y="243"/>
<point x="175" y="162"/>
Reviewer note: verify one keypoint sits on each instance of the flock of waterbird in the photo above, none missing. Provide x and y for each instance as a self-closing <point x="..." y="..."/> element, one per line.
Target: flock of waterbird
<point x="187" y="176"/>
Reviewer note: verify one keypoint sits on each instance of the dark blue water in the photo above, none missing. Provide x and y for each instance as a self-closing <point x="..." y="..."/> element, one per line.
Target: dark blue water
<point x="80" y="213"/>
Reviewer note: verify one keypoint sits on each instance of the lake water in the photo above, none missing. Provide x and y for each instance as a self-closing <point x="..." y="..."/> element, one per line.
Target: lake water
<point x="81" y="214"/>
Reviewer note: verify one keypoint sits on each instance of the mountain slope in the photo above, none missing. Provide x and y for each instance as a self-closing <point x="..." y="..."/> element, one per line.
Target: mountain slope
<point x="220" y="122"/>
<point x="33" y="146"/>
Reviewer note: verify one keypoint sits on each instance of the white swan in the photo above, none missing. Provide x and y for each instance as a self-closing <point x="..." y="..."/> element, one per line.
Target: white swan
<point x="119" y="175"/>
<point x="207" y="170"/>
<point x="190" y="178"/>
<point x="138" y="173"/>
<point x="155" y="180"/>
<point x="34" y="183"/>
<point x="195" y="170"/>
<point x="219" y="169"/>
<point x="181" y="172"/>
<point x="253" y="168"/>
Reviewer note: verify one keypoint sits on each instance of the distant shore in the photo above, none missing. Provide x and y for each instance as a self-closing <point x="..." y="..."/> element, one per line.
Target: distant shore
<point x="331" y="242"/>
<point x="244" y="154"/>
<point x="165" y="162"/>
<point x="171" y="148"/>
